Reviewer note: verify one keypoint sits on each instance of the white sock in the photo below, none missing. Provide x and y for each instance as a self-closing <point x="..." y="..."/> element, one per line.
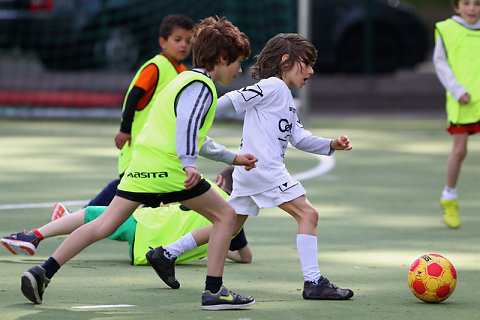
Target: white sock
<point x="182" y="245"/>
<point x="307" y="251"/>
<point x="449" y="194"/>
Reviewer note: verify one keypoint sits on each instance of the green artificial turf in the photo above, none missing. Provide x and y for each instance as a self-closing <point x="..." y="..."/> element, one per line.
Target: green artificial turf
<point x="379" y="210"/>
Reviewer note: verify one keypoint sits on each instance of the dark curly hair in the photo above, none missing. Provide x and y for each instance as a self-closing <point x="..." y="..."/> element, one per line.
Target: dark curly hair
<point x="269" y="61"/>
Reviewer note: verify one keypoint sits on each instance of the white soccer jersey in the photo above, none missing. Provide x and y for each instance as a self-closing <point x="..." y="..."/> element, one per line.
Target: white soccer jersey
<point x="270" y="123"/>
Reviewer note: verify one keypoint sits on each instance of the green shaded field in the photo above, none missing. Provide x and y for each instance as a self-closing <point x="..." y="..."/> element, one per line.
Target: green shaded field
<point x="379" y="210"/>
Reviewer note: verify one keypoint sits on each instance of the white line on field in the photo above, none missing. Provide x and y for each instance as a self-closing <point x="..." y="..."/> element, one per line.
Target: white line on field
<point x="325" y="164"/>
<point x="42" y="205"/>
<point x="105" y="306"/>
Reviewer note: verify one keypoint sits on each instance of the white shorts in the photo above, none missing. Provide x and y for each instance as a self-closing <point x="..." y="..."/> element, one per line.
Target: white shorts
<point x="251" y="205"/>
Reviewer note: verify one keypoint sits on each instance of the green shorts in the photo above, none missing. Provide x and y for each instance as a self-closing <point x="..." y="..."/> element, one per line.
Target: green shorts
<point x="126" y="232"/>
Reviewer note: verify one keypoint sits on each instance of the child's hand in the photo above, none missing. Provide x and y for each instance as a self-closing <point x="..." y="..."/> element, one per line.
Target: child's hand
<point x="121" y="138"/>
<point x="465" y="98"/>
<point x="248" y="160"/>
<point x="193" y="177"/>
<point x="341" y="143"/>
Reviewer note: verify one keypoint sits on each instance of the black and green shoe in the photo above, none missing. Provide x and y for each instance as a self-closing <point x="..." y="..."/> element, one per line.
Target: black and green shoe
<point x="225" y="300"/>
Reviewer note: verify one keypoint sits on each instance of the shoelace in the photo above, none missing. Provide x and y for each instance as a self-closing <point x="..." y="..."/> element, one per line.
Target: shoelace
<point x="17" y="235"/>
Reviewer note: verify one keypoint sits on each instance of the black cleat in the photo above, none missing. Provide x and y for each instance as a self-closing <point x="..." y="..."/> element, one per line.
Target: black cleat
<point x="34" y="283"/>
<point x="324" y="290"/>
<point x="164" y="267"/>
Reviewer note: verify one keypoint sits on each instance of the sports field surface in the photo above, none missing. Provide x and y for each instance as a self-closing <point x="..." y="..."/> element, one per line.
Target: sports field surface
<point x="379" y="208"/>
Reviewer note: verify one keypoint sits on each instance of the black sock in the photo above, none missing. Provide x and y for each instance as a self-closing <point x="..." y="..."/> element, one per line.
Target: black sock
<point x="213" y="284"/>
<point x="51" y="266"/>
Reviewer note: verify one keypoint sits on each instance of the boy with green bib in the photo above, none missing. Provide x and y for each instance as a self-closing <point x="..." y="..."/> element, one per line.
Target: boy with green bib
<point x="163" y="168"/>
<point x="457" y="62"/>
<point x="147" y="227"/>
<point x="153" y="75"/>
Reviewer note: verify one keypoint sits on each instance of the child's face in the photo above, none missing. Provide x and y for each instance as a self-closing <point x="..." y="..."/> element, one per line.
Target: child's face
<point x="177" y="46"/>
<point x="225" y="73"/>
<point x="298" y="75"/>
<point x="469" y="10"/>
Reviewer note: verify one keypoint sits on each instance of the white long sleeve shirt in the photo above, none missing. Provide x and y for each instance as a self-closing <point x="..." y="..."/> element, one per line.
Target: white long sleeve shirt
<point x="270" y="123"/>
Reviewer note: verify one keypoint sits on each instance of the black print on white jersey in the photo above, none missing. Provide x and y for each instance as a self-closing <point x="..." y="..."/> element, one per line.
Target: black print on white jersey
<point x="285" y="128"/>
<point x="284" y="125"/>
<point x="287" y="185"/>
<point x="251" y="92"/>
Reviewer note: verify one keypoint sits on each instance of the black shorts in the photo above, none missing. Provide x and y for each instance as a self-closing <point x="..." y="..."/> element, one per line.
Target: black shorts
<point x="154" y="199"/>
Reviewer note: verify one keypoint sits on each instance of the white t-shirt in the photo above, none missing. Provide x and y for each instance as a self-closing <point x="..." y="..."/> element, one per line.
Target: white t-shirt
<point x="270" y="123"/>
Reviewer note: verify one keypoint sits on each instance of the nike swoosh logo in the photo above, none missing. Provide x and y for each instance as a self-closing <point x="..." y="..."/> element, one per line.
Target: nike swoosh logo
<point x="228" y="298"/>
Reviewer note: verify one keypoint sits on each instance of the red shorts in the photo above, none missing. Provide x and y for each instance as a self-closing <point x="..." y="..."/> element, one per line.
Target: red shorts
<point x="470" y="128"/>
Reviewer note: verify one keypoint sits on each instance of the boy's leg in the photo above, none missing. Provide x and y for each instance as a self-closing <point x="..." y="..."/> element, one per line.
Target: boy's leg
<point x="315" y="286"/>
<point x="117" y="212"/>
<point x="457" y="155"/>
<point x="36" y="279"/>
<point x="197" y="238"/>
<point x="27" y="242"/>
<point x="449" y="195"/>
<point x="162" y="259"/>
<point x="64" y="225"/>
<point x="213" y="207"/>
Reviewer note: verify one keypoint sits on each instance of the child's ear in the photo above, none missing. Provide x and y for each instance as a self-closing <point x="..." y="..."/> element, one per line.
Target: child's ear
<point x="285" y="57"/>
<point x="222" y="61"/>
<point x="161" y="42"/>
<point x="219" y="181"/>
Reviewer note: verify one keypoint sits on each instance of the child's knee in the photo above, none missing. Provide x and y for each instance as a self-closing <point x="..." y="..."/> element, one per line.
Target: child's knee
<point x="103" y="230"/>
<point x="227" y="216"/>
<point x="459" y="152"/>
<point x="310" y="216"/>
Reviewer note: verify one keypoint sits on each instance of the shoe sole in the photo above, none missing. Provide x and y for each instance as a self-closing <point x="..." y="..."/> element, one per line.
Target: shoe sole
<point x="30" y="288"/>
<point x="328" y="298"/>
<point x="451" y="225"/>
<point x="59" y="211"/>
<point x="217" y="307"/>
<point x="175" y="285"/>
<point x="16" y="246"/>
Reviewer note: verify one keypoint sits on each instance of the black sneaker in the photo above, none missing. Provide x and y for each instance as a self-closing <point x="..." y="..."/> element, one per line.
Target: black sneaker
<point x="164" y="267"/>
<point x="324" y="290"/>
<point x="34" y="283"/>
<point x="225" y="300"/>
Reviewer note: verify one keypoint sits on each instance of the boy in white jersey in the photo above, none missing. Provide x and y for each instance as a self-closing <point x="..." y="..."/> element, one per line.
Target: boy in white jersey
<point x="457" y="60"/>
<point x="271" y="123"/>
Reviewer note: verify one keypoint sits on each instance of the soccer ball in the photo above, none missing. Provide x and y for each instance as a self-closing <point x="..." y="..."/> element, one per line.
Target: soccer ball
<point x="432" y="278"/>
